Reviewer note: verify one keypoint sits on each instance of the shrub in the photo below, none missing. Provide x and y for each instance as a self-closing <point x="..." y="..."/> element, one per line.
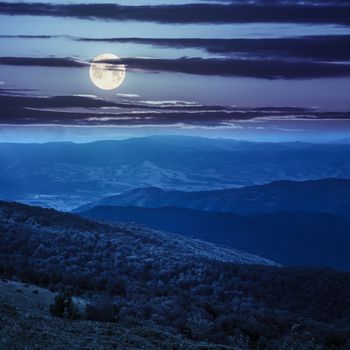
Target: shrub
<point x="64" y="306"/>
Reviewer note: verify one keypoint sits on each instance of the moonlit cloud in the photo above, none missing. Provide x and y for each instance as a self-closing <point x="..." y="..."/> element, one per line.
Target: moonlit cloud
<point x="128" y="95"/>
<point x="85" y="110"/>
<point x="170" y="103"/>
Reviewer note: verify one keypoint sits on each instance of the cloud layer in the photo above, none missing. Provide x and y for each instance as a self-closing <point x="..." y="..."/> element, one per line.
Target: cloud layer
<point x="315" y="47"/>
<point x="21" y="108"/>
<point x="330" y="12"/>
<point x="325" y="47"/>
<point x="258" y="68"/>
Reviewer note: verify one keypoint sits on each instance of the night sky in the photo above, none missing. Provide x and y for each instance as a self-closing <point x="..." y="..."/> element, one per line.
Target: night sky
<point x="265" y="70"/>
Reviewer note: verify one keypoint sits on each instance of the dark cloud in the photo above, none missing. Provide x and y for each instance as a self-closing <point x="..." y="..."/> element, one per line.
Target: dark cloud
<point x="333" y="12"/>
<point x="284" y="2"/>
<point x="265" y="69"/>
<point x="11" y="97"/>
<point x="316" y="47"/>
<point x="260" y="68"/>
<point x="41" y="62"/>
<point x="37" y="110"/>
<point x="326" y="47"/>
<point x="28" y="36"/>
<point x="311" y="2"/>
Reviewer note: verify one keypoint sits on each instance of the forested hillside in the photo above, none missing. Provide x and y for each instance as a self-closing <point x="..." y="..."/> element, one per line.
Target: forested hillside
<point x="153" y="277"/>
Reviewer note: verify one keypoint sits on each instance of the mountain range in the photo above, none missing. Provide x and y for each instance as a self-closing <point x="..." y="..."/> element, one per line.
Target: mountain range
<point x="317" y="196"/>
<point x="295" y="223"/>
<point x="68" y="175"/>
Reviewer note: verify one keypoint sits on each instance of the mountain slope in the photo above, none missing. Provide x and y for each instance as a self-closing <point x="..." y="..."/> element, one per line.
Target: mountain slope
<point x="326" y="195"/>
<point x="25" y="323"/>
<point x="28" y="325"/>
<point x="292" y="238"/>
<point x="47" y="226"/>
<point x="186" y="299"/>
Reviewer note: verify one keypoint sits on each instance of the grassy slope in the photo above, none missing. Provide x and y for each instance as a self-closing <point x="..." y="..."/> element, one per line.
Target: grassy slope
<point x="25" y="323"/>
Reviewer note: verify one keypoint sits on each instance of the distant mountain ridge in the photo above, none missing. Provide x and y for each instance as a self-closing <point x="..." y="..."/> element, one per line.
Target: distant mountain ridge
<point x="68" y="175"/>
<point x="318" y="196"/>
<point x="291" y="238"/>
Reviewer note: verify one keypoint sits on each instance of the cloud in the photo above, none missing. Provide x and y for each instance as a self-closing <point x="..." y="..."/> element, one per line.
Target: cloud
<point x="325" y="47"/>
<point x="259" y="68"/>
<point x="262" y="68"/>
<point x="29" y="36"/>
<point x="89" y="111"/>
<point x="128" y="95"/>
<point x="316" y="47"/>
<point x="94" y="97"/>
<point x="172" y="103"/>
<point x="332" y="12"/>
<point x="42" y="62"/>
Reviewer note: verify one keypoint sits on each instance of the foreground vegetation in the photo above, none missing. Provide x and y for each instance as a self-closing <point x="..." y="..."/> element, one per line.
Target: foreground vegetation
<point x="36" y="329"/>
<point x="133" y="276"/>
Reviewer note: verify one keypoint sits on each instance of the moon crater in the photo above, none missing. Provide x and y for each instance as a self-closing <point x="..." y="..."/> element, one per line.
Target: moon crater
<point x="106" y="75"/>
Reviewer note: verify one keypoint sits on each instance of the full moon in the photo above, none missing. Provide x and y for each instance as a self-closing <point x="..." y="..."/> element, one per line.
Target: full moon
<point x="107" y="76"/>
